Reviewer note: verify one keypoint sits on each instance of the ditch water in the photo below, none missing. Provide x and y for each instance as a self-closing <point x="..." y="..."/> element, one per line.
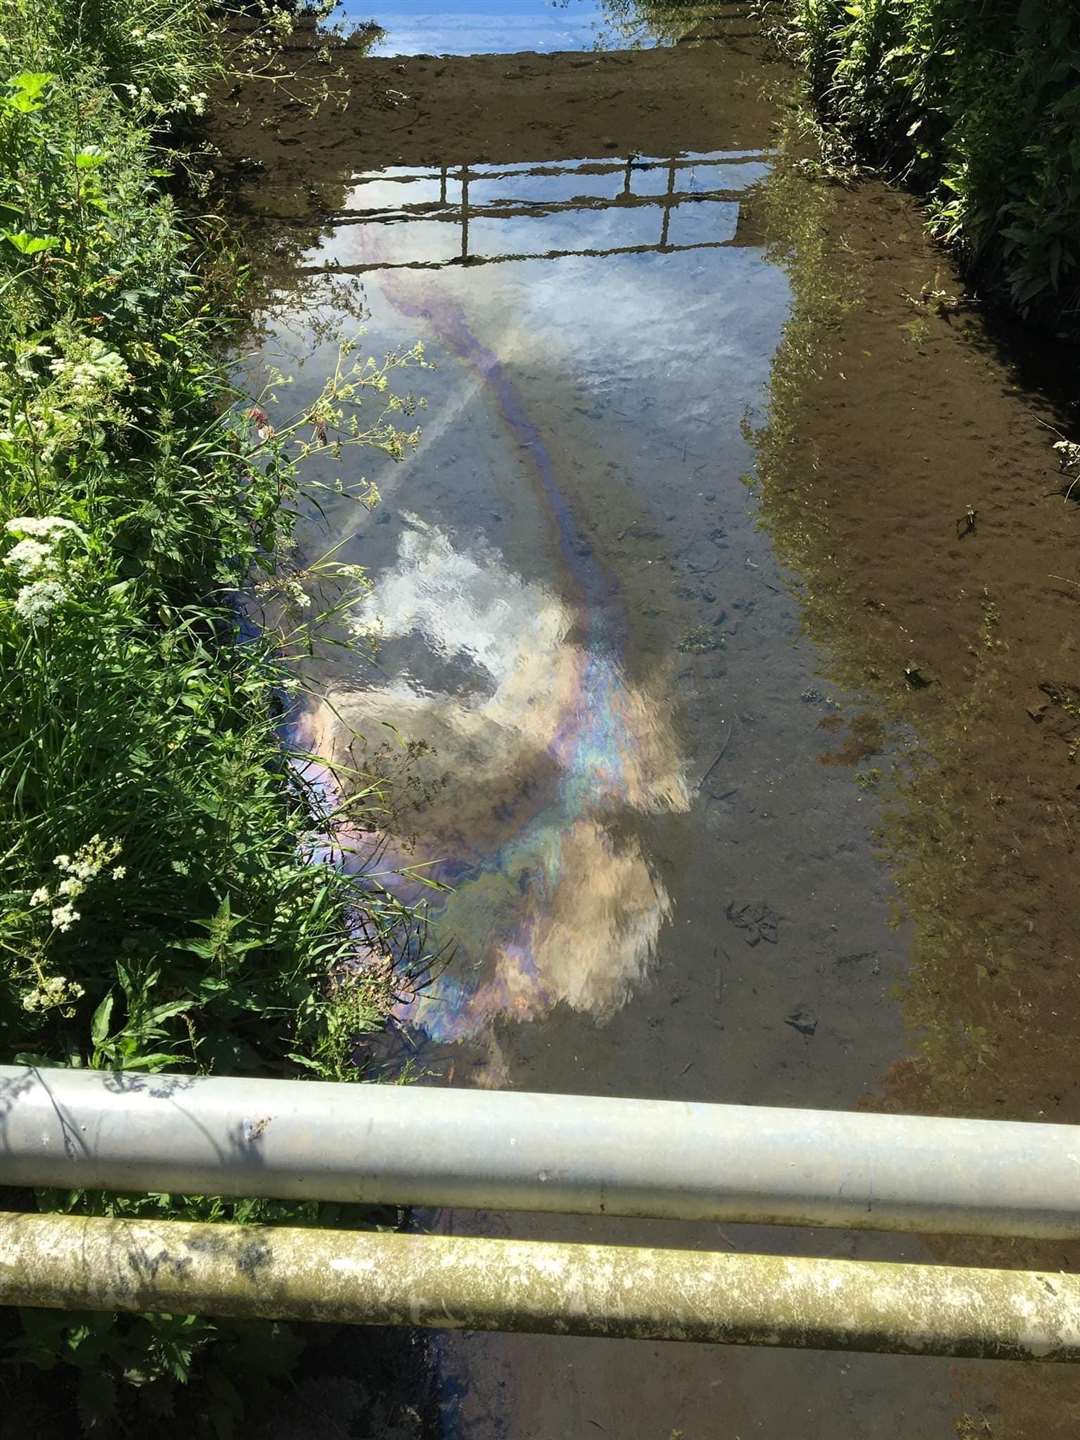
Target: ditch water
<point x="650" y="708"/>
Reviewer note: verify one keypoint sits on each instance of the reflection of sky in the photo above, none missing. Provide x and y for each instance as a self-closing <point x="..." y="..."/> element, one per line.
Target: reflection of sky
<point x="549" y="757"/>
<point x="404" y="186"/>
<point x="602" y="230"/>
<point x="480" y="27"/>
<point x="599" y="214"/>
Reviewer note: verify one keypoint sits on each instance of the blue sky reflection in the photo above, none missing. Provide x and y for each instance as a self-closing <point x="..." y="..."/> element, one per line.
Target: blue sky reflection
<point x="482" y="27"/>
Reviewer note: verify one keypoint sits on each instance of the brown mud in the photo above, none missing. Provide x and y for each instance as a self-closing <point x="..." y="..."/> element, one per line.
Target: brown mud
<point x="905" y="478"/>
<point x="485" y="109"/>
<point x="908" y="476"/>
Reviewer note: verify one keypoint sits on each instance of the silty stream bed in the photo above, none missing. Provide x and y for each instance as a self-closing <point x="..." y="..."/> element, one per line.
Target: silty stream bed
<point x="696" y="852"/>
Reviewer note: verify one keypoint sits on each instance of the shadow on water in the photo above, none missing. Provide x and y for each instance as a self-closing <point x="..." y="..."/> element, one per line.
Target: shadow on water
<point x="656" y="796"/>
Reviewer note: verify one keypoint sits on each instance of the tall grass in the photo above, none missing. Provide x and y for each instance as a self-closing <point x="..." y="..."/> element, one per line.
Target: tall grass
<point x="157" y="904"/>
<point x="978" y="107"/>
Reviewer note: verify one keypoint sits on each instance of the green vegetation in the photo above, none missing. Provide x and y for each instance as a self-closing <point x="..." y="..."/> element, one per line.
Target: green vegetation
<point x="642" y="22"/>
<point x="977" y="106"/>
<point x="158" y="904"/>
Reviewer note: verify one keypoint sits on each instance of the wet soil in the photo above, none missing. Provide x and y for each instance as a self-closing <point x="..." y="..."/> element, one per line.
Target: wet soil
<point x="911" y="480"/>
<point x="924" y="464"/>
<point x="477" y="109"/>
<point x="854" y="690"/>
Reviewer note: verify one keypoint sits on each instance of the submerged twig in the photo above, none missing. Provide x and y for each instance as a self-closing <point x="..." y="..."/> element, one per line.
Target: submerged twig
<point x="720" y="755"/>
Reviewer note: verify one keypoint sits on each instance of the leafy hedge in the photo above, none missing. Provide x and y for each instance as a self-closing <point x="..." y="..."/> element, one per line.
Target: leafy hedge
<point x="976" y="103"/>
<point x="158" y="904"/>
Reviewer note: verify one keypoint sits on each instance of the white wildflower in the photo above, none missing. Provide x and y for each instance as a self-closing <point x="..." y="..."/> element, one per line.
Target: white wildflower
<point x="364" y="629"/>
<point x="51" y="991"/>
<point x="35" y="601"/>
<point x="64" y="916"/>
<point x="88" y="862"/>
<point x="119" y="872"/>
<point x="40" y="896"/>
<point x="71" y="887"/>
<point x="46" y="527"/>
<point x="97" y="367"/>
<point x="23" y="367"/>
<point x="29" y="557"/>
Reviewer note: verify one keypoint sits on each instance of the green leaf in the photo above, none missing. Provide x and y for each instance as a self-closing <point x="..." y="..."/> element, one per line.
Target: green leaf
<point x="99" y="1025"/>
<point x="29" y="82"/>
<point x="307" y="1064"/>
<point x="164" y="1012"/>
<point x="153" y="1062"/>
<point x="91" y="157"/>
<point x="1025" y="290"/>
<point x="1055" y="253"/>
<point x="28" y="87"/>
<point x="30" y="244"/>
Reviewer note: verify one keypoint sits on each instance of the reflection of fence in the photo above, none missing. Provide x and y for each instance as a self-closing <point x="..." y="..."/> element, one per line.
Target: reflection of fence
<point x="466" y="210"/>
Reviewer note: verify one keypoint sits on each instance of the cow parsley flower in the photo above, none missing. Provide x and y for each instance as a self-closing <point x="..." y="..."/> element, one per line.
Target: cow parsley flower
<point x="30" y="557"/>
<point x="95" y="368"/>
<point x="296" y="594"/>
<point x="47" y="527"/>
<point x="64" y="916"/>
<point x="52" y="991"/>
<point x="34" y="602"/>
<point x="87" y="863"/>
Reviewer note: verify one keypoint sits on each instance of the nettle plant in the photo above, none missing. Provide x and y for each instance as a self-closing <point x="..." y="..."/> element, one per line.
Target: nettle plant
<point x="159" y="904"/>
<point x="978" y="107"/>
<point x="139" y="499"/>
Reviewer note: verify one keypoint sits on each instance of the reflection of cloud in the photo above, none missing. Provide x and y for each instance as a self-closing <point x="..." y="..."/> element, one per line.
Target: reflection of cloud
<point x="620" y="319"/>
<point x="461" y="603"/>
<point x="533" y="773"/>
<point x="547" y="751"/>
<point x="604" y="922"/>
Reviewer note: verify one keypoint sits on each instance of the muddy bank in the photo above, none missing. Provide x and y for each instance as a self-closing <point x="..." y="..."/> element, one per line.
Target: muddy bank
<point x="478" y="109"/>
<point x="908" y="476"/>
<point x="908" y="473"/>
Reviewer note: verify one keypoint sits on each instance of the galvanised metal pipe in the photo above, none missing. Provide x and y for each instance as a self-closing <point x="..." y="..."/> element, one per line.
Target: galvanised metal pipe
<point x="513" y="1151"/>
<point x="73" y="1262"/>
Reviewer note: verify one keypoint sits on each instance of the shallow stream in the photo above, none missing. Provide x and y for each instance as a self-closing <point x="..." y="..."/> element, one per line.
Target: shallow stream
<point x="648" y="736"/>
